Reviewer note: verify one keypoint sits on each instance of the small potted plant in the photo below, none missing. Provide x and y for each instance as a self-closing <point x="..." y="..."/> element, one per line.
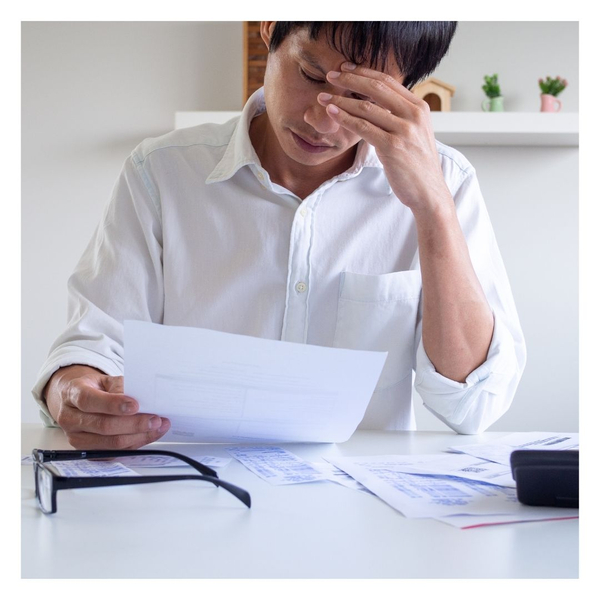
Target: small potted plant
<point x="550" y="89"/>
<point x="494" y="100"/>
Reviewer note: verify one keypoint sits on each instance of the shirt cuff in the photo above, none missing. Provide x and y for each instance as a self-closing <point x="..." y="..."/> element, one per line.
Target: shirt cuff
<point x="66" y="358"/>
<point x="473" y="405"/>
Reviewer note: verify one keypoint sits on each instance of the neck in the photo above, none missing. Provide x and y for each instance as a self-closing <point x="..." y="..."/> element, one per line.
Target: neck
<point x="300" y="179"/>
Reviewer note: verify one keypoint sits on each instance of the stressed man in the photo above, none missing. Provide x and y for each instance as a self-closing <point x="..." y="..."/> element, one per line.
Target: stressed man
<point x="327" y="214"/>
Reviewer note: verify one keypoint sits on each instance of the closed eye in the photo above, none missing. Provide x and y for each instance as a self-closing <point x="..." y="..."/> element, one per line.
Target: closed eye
<point x="314" y="81"/>
<point x="359" y="97"/>
<point x="309" y="78"/>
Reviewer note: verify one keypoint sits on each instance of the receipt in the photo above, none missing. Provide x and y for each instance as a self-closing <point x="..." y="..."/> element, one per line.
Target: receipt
<point x="276" y="465"/>
<point x="92" y="468"/>
<point x="147" y="461"/>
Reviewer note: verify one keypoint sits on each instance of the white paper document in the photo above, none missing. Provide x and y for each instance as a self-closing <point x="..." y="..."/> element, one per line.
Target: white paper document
<point x="463" y="466"/>
<point x="92" y="468"/>
<point x="332" y="473"/>
<point x="276" y="465"/>
<point x="522" y="514"/>
<point x="420" y="496"/>
<point x="500" y="450"/>
<point x="222" y="387"/>
<point x="150" y="461"/>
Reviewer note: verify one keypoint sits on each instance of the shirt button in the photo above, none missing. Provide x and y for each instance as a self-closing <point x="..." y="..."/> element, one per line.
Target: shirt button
<point x="303" y="212"/>
<point x="301" y="287"/>
<point x="261" y="176"/>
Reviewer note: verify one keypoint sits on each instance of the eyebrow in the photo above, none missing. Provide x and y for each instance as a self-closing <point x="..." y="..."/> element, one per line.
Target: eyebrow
<point x="311" y="60"/>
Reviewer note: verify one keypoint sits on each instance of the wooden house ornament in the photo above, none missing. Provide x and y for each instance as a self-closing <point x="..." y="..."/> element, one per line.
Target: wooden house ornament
<point x="436" y="93"/>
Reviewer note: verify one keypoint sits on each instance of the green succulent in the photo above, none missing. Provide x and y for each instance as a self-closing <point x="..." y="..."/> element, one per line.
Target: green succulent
<point x="491" y="87"/>
<point x="552" y="86"/>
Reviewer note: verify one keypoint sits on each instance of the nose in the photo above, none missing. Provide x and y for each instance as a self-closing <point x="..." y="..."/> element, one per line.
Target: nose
<point x="316" y="116"/>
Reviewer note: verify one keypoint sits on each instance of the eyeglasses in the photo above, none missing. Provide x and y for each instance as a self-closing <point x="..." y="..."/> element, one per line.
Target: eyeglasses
<point x="47" y="482"/>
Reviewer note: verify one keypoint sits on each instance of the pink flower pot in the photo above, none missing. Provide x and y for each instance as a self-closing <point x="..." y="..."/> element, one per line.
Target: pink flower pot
<point x="550" y="103"/>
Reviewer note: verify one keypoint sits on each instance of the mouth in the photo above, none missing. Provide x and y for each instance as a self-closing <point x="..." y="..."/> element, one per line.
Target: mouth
<point x="309" y="146"/>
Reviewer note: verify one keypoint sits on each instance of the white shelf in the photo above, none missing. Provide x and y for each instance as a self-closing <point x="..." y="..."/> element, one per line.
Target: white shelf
<point x="464" y="128"/>
<point x="506" y="128"/>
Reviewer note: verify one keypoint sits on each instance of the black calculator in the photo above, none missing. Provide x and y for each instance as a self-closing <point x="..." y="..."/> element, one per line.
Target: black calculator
<point x="546" y="477"/>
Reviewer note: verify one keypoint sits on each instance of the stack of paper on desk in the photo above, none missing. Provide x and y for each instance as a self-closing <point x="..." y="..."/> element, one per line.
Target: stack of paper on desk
<point x="459" y="489"/>
<point x="221" y="387"/>
<point x="469" y="489"/>
<point x="463" y="502"/>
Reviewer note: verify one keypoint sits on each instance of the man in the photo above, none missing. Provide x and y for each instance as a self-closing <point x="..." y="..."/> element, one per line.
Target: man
<point x="326" y="214"/>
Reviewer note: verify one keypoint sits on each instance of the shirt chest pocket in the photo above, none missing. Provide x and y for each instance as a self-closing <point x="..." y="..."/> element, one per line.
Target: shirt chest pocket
<point x="380" y="312"/>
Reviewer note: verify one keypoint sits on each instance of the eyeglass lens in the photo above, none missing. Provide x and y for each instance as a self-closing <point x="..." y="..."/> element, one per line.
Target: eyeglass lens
<point x="44" y="486"/>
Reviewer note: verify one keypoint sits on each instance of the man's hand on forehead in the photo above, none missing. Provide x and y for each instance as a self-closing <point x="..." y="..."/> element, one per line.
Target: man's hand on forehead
<point x="386" y="97"/>
<point x="397" y="124"/>
<point x="366" y="81"/>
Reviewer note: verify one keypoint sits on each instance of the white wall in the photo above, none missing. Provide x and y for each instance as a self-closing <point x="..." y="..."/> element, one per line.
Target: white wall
<point x="92" y="91"/>
<point x="532" y="197"/>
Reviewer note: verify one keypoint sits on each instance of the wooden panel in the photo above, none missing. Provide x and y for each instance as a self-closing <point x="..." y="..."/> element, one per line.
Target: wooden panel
<point x="255" y="58"/>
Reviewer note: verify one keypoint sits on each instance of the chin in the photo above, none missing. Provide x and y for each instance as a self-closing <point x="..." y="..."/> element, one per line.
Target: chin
<point x="311" y="159"/>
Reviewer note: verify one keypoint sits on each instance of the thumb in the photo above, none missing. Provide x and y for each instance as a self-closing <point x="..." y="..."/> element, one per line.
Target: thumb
<point x="113" y="385"/>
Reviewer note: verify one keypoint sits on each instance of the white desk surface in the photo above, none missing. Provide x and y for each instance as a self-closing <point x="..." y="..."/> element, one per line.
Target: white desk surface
<point x="316" y="530"/>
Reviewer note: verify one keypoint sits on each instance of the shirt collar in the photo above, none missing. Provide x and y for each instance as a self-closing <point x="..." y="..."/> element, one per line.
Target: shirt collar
<point x="240" y="151"/>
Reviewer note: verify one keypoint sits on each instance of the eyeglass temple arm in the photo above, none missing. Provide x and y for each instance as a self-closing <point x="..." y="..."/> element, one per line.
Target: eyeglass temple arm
<point x="88" y="482"/>
<point x="58" y="455"/>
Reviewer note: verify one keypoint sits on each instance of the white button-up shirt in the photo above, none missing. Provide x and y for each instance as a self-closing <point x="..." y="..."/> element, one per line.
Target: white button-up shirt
<point x="197" y="234"/>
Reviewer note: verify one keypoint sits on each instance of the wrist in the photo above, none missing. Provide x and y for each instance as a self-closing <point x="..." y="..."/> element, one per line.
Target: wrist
<point x="437" y="213"/>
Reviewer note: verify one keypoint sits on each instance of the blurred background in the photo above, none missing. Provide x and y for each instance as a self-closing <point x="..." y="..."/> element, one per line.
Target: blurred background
<point x="91" y="91"/>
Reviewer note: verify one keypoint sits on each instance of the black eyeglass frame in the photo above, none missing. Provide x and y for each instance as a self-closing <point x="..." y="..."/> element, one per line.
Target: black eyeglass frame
<point x="59" y="482"/>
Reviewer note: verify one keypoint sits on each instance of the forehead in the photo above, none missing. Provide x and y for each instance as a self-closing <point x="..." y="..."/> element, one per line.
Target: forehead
<point x="320" y="51"/>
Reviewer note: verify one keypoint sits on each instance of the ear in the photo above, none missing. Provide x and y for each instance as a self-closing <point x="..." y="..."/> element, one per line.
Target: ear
<point x="266" y="31"/>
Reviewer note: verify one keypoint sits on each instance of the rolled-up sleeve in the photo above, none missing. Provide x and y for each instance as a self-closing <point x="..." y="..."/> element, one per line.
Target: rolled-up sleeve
<point x="118" y="277"/>
<point x="471" y="406"/>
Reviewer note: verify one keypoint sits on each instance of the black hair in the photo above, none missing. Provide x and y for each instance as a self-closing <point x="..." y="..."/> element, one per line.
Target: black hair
<point x="418" y="46"/>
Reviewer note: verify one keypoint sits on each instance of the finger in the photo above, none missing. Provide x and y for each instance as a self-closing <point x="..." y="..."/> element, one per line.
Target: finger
<point x="378" y="87"/>
<point x="92" y="441"/>
<point x="73" y="420"/>
<point x="122" y="425"/>
<point x="363" y="109"/>
<point x="391" y="81"/>
<point x="89" y="399"/>
<point x="372" y="134"/>
<point x="114" y="385"/>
